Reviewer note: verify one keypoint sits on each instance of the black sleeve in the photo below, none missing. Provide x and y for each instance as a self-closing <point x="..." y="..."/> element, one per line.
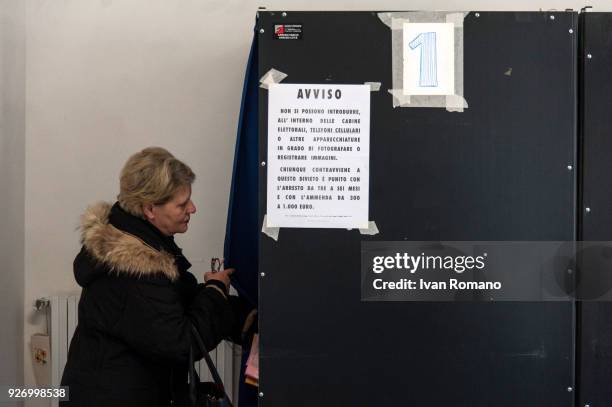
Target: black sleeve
<point x="155" y="324"/>
<point x="245" y="319"/>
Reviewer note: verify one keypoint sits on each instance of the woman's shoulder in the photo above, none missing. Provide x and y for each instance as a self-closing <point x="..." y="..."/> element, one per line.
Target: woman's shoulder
<point x="116" y="252"/>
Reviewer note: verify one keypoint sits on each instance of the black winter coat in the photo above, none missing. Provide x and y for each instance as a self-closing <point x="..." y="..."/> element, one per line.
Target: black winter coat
<point x="136" y="310"/>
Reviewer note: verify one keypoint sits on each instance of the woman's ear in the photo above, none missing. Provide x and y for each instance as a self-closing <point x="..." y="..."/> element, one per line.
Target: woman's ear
<point x="147" y="210"/>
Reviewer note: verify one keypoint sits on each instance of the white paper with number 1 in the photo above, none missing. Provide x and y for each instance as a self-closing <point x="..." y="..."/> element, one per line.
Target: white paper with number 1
<point x="429" y="59"/>
<point x="318" y="156"/>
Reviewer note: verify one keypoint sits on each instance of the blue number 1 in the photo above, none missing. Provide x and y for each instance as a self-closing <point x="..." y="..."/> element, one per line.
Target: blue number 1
<point x="428" y="75"/>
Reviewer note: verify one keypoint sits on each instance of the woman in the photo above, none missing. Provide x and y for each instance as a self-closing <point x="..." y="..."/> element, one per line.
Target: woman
<point x="139" y="302"/>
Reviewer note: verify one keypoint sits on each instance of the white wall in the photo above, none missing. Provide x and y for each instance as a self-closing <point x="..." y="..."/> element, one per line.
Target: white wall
<point x="12" y="154"/>
<point x="106" y="78"/>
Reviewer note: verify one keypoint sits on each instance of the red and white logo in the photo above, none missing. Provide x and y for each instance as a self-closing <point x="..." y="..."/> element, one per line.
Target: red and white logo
<point x="279" y="29"/>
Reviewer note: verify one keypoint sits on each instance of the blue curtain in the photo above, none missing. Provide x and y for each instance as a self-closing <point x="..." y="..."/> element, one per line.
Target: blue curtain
<point x="241" y="233"/>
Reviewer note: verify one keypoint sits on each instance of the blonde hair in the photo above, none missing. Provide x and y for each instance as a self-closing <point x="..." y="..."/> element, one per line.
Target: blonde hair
<point x="151" y="176"/>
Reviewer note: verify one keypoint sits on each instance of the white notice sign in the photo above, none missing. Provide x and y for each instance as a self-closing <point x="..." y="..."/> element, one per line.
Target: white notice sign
<point x="318" y="156"/>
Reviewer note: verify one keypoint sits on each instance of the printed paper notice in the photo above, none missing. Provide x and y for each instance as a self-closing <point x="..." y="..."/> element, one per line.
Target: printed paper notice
<point x="318" y="156"/>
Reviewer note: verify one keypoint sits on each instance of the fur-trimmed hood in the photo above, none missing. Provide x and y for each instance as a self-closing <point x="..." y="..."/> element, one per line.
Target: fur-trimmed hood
<point x="119" y="251"/>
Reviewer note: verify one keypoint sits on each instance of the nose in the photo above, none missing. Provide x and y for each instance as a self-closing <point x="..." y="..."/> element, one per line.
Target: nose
<point x="192" y="207"/>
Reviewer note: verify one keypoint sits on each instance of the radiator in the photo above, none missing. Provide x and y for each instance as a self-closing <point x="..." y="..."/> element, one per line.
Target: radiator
<point x="61" y="322"/>
<point x="62" y="317"/>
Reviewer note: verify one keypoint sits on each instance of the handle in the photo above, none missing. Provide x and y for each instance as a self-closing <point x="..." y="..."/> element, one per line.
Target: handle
<point x="209" y="362"/>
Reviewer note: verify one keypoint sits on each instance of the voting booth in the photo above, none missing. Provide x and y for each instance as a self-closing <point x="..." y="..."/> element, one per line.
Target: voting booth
<point x="485" y="159"/>
<point x="450" y="136"/>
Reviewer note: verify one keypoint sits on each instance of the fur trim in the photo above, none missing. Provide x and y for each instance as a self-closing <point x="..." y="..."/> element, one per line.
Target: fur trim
<point x="122" y="252"/>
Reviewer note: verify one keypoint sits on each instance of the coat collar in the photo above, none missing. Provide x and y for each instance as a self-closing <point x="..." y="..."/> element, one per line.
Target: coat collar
<point x="124" y="252"/>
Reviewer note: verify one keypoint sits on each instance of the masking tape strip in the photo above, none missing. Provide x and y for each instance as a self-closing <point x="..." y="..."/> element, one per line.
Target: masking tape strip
<point x="371" y="230"/>
<point x="398" y="23"/>
<point x="270" y="77"/>
<point x="385" y="18"/>
<point x="456" y="18"/>
<point x="272" y="232"/>
<point x="374" y="86"/>
<point x="395" y="21"/>
<point x="456" y="102"/>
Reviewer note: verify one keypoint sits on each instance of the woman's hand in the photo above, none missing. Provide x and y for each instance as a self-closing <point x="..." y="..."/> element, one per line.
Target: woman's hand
<point x="223" y="276"/>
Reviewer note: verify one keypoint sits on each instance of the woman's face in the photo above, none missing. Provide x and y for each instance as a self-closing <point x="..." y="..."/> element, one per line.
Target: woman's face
<point x="173" y="216"/>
